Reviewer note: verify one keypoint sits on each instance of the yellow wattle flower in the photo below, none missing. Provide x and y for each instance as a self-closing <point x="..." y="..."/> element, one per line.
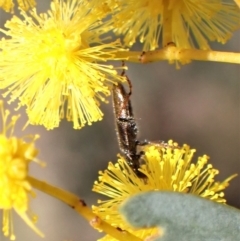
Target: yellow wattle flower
<point x="166" y="168"/>
<point x="54" y="63"/>
<point x="15" y="157"/>
<point x="8" y="5"/>
<point x="187" y="23"/>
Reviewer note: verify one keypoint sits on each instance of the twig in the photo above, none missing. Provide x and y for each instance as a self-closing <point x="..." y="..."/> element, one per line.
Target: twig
<point x="80" y="206"/>
<point x="173" y="54"/>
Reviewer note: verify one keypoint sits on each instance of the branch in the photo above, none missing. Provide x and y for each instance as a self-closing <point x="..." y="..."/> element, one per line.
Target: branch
<point x="173" y="54"/>
<point x="80" y="206"/>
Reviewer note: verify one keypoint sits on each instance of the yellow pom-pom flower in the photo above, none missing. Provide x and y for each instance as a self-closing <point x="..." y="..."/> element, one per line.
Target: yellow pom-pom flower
<point x="166" y="168"/>
<point x="53" y="63"/>
<point x="15" y="157"/>
<point x="187" y="23"/>
<point x="8" y="5"/>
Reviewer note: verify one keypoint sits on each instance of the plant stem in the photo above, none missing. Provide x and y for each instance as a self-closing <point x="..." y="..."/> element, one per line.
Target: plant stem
<point x="173" y="54"/>
<point x="80" y="206"/>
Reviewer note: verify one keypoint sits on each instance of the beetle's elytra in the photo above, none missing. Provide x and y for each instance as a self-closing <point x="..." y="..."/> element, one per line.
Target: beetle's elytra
<point x="126" y="127"/>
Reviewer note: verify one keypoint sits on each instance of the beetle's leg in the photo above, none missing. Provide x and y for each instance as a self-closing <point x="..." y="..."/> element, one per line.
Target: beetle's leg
<point x="142" y="143"/>
<point x="155" y="143"/>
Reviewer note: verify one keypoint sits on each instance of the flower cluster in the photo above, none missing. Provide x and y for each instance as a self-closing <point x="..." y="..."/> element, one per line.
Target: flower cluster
<point x="15" y="157"/>
<point x="187" y="23"/>
<point x="166" y="168"/>
<point x="53" y="63"/>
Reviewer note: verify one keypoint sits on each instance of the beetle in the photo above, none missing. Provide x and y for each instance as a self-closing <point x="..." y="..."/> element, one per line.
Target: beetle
<point x="126" y="127"/>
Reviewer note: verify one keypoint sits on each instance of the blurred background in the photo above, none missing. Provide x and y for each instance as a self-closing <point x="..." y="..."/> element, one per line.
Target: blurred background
<point x="198" y="105"/>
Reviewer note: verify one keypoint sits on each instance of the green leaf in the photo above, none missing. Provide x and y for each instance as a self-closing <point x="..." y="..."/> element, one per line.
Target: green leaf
<point x="183" y="217"/>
